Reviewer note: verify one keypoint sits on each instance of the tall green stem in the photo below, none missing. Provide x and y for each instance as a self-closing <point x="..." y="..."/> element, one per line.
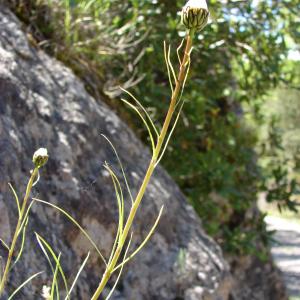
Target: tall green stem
<point x="175" y="95"/>
<point x="17" y="230"/>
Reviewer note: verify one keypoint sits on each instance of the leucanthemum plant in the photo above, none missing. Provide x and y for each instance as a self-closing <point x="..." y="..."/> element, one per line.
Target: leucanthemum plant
<point x="194" y="17"/>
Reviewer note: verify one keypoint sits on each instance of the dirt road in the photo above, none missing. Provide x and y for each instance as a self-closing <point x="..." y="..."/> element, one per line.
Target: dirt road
<point x="286" y="251"/>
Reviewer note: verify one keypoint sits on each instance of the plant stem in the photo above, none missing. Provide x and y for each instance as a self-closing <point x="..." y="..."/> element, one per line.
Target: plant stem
<point x="151" y="167"/>
<point x="17" y="230"/>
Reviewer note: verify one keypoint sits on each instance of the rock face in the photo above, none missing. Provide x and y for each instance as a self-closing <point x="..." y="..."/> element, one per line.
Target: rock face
<point x="255" y="279"/>
<point x="42" y="104"/>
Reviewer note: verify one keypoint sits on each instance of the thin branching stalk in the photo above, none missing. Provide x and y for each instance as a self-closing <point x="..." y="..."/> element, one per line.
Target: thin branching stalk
<point x="155" y="157"/>
<point x="22" y="213"/>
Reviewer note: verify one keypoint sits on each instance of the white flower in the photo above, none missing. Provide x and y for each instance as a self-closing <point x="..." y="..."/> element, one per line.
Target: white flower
<point x="40" y="157"/>
<point x="195" y="14"/>
<point x="196" y="4"/>
<point x="46" y="292"/>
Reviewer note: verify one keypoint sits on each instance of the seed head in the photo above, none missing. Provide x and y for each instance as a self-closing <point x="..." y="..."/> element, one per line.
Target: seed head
<point x="195" y="14"/>
<point x="40" y="157"/>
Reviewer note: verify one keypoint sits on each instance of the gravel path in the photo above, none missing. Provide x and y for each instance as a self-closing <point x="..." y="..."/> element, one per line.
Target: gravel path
<point x="286" y="251"/>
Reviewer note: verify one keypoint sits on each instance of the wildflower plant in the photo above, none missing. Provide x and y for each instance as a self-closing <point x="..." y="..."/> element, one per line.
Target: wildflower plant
<point x="194" y="10"/>
<point x="194" y="17"/>
<point x="40" y="158"/>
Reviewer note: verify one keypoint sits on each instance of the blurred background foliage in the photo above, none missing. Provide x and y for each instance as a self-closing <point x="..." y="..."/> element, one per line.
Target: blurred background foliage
<point x="239" y="134"/>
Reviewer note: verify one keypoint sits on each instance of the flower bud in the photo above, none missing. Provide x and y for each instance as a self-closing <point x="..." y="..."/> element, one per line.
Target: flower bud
<point x="40" y="157"/>
<point x="195" y="14"/>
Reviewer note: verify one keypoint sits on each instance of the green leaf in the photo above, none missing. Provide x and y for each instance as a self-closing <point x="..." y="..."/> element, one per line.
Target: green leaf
<point x="120" y="199"/>
<point x="23" y="284"/>
<point x="47" y="248"/>
<point x="121" y="166"/>
<point x="143" y="243"/>
<point x="143" y="109"/>
<point x="77" y="276"/>
<point x="144" y="121"/>
<point x="75" y="223"/>
<point x="119" y="275"/>
<point x="16" y="198"/>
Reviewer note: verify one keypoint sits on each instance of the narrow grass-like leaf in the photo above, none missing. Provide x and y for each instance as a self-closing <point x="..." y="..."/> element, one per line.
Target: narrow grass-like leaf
<point x="119" y="275"/>
<point x="184" y="82"/>
<point x="87" y="4"/>
<point x="143" y="243"/>
<point x="170" y="64"/>
<point x="119" y="196"/>
<point x="76" y="223"/>
<point x="77" y="276"/>
<point x="37" y="179"/>
<point x="170" y="134"/>
<point x="45" y="252"/>
<point x="143" y="109"/>
<point x="22" y="243"/>
<point x="144" y="121"/>
<point x="47" y="257"/>
<point x="121" y="166"/>
<point x="25" y="217"/>
<point x="44" y="244"/>
<point x="54" y="287"/>
<point x="168" y="68"/>
<point x="1" y="269"/>
<point x="67" y="21"/>
<point x="114" y="246"/>
<point x="178" y="49"/>
<point x="16" y="198"/>
<point x="23" y="284"/>
<point x="4" y="244"/>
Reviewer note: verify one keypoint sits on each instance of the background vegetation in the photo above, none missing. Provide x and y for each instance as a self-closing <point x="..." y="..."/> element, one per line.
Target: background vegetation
<point x="229" y="147"/>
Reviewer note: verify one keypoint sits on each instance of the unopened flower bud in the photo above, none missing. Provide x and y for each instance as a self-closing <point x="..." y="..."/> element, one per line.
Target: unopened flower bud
<point x="195" y="14"/>
<point x="40" y="157"/>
